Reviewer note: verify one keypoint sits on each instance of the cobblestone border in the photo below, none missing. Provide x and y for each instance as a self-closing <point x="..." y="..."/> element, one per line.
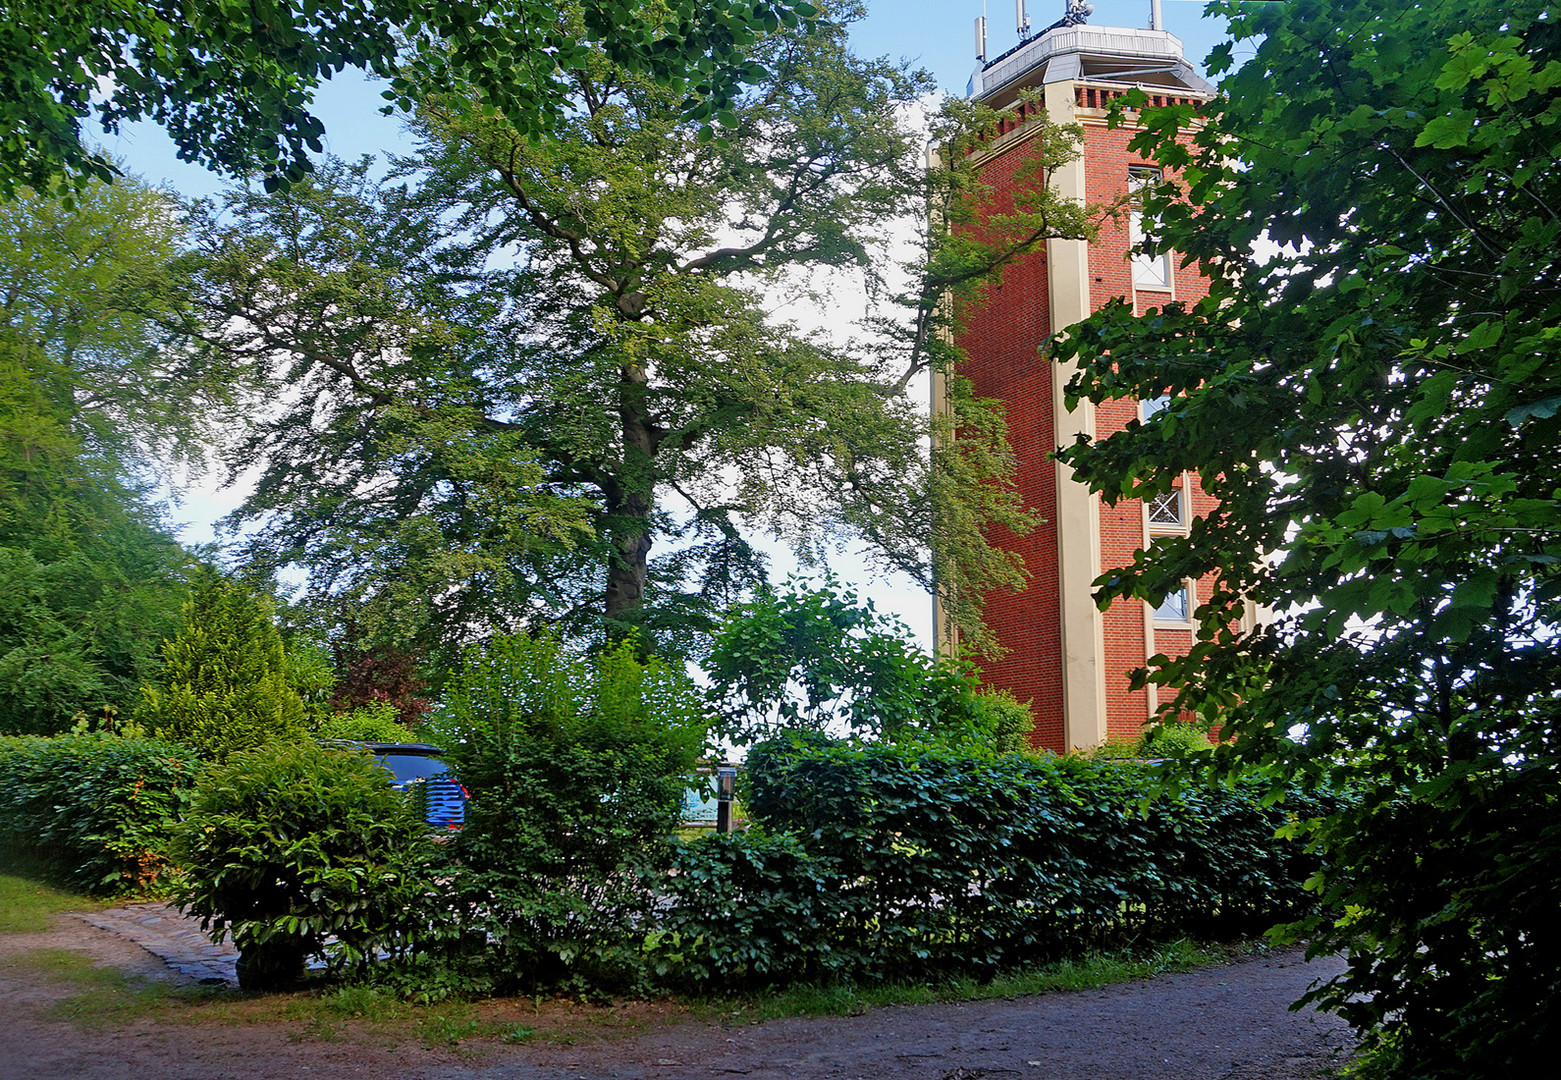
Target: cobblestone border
<point x="171" y="937"/>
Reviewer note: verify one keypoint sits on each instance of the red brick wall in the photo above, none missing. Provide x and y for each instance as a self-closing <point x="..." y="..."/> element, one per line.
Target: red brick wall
<point x="1002" y="338"/>
<point x="1107" y="161"/>
<point x="1121" y="536"/>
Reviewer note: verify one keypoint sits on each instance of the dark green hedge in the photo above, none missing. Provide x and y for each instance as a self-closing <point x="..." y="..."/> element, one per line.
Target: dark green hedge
<point x="94" y="807"/>
<point x="885" y="862"/>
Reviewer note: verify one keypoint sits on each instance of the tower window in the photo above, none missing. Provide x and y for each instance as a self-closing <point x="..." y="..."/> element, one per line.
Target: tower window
<point x="1166" y="510"/>
<point x="1149" y="271"/>
<point x="1176" y="607"/>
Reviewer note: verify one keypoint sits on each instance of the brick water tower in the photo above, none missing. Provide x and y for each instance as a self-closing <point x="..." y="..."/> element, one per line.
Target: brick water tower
<point x="1064" y="655"/>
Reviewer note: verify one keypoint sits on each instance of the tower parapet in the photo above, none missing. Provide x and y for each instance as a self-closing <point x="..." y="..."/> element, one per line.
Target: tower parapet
<point x="1106" y="54"/>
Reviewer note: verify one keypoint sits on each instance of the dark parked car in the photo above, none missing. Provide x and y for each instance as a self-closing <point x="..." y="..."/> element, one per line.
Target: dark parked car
<point x="416" y="766"/>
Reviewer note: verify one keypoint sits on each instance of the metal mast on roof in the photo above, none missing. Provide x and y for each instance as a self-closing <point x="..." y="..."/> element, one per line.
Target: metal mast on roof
<point x="1075" y="13"/>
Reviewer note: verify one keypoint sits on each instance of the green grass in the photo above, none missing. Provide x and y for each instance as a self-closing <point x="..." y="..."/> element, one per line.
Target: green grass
<point x="1087" y="973"/>
<point x="366" y="1003"/>
<point x="329" y="1013"/>
<point x="28" y="906"/>
<point x="105" y="996"/>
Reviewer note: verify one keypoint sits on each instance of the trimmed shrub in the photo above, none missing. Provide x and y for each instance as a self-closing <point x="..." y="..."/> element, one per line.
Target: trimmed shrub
<point x="94" y="807"/>
<point x="904" y="862"/>
<point x="577" y="768"/>
<point x="749" y="909"/>
<point x="305" y="851"/>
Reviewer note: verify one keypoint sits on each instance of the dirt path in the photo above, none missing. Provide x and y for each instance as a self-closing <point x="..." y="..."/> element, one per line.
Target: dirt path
<point x="1224" y="1023"/>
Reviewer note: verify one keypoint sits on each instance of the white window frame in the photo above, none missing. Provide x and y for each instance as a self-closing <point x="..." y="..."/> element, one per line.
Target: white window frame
<point x="1177" y="526"/>
<point x="1189" y="598"/>
<point x="1150" y="272"/>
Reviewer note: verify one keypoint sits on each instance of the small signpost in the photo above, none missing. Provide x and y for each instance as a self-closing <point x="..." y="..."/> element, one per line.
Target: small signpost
<point x="711" y="804"/>
<point x="726" y="785"/>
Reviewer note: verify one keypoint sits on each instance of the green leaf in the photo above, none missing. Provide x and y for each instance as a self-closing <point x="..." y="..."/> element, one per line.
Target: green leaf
<point x="1541" y="410"/>
<point x="1446" y="132"/>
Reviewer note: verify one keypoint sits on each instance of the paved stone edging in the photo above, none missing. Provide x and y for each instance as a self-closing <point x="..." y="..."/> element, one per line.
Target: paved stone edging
<point x="171" y="937"/>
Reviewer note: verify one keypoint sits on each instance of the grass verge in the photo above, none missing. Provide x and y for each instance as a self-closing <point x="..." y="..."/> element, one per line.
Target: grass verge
<point x="28" y="906"/>
<point x="104" y="996"/>
<point x="370" y="1015"/>
<point x="1086" y="973"/>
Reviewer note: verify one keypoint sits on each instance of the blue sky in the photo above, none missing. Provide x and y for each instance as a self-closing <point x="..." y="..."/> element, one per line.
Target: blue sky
<point x="940" y="34"/>
<point x="937" y="35"/>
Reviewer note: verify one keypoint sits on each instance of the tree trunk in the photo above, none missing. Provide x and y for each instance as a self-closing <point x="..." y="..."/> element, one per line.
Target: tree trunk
<point x="628" y="565"/>
<point x="277" y="964"/>
<point x="631" y="500"/>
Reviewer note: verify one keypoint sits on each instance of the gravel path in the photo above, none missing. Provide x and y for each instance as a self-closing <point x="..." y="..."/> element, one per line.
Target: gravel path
<point x="1224" y="1023"/>
<point x="1230" y="1022"/>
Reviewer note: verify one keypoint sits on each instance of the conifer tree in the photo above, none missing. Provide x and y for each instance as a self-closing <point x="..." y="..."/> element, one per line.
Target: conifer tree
<point x="224" y="683"/>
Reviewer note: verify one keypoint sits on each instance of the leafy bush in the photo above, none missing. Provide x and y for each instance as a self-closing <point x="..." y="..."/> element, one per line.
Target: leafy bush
<point x="367" y="723"/>
<point x="94" y="806"/>
<point x="1174" y="739"/>
<point x="808" y="658"/>
<point x="577" y="768"/>
<point x="379" y="675"/>
<point x="1463" y="867"/>
<point x="1008" y="720"/>
<point x="748" y="909"/>
<point x="303" y="851"/>
<point x="817" y="660"/>
<point x="224" y="684"/>
<point x="311" y="676"/>
<point x="890" y="861"/>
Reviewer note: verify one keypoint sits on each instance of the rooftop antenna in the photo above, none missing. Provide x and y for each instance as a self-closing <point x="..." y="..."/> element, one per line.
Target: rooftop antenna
<point x="1023" y="19"/>
<point x="980" y="37"/>
<point x="1156" y="21"/>
<point x="1075" y="12"/>
<point x="1078" y="12"/>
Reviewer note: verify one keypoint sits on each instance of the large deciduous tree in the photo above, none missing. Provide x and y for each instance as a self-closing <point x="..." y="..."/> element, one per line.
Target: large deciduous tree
<point x="86" y="312"/>
<point x="90" y="577"/>
<point x="542" y="342"/>
<point x="1377" y="408"/>
<point x="232" y="83"/>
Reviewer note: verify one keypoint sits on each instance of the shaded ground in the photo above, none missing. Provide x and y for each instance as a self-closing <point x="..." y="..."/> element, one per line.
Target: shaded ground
<point x="1230" y="1021"/>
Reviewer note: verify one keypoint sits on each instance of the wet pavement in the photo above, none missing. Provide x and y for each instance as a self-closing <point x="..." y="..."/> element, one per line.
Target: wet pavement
<point x="175" y="939"/>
